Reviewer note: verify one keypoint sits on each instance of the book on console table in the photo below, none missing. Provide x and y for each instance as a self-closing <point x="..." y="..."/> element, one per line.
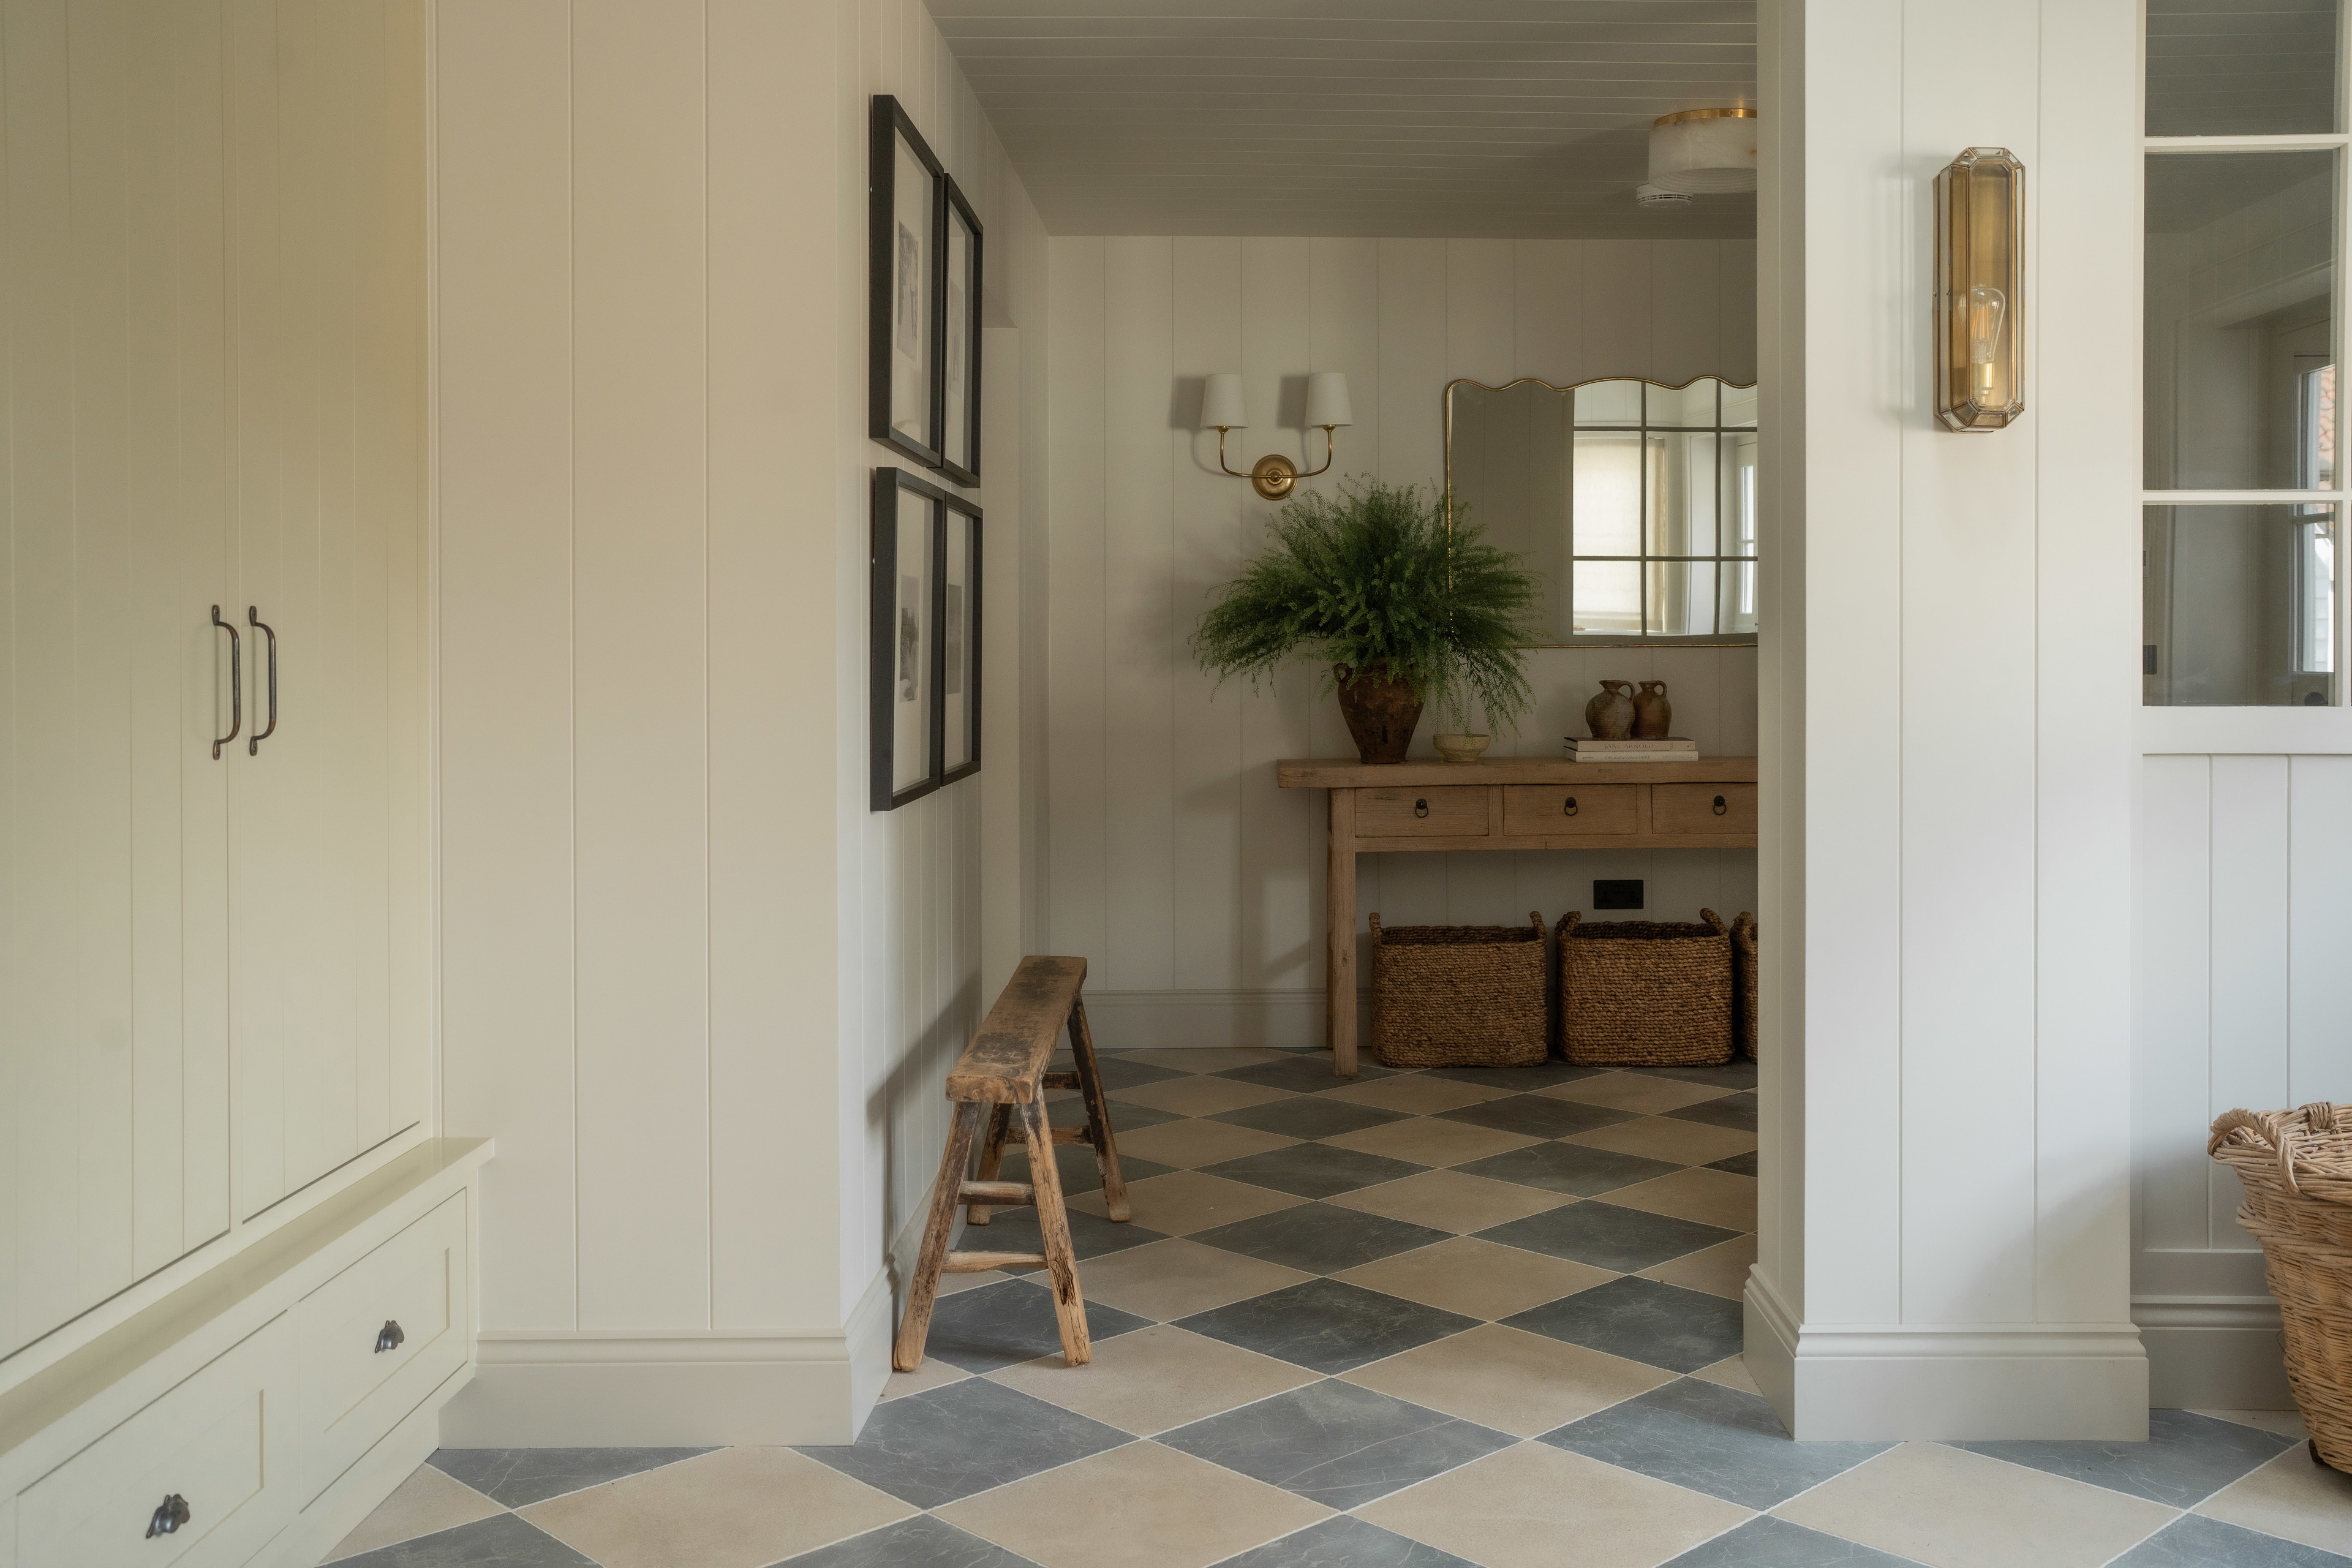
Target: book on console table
<point x="1670" y="749"/>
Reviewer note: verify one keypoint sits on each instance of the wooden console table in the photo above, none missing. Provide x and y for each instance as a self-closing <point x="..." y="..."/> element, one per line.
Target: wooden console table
<point x="1510" y="802"/>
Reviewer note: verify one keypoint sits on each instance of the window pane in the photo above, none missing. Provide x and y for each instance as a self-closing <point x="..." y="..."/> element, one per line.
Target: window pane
<point x="1609" y="403"/>
<point x="1690" y="408"/>
<point x="1682" y="599"/>
<point x="1680" y="497"/>
<point x="2240" y="278"/>
<point x="1739" y="406"/>
<point x="1738" y="507"/>
<point x="1608" y="598"/>
<point x="2239" y="607"/>
<point x="2218" y="68"/>
<point x="1608" y="495"/>
<point x="1739" y="596"/>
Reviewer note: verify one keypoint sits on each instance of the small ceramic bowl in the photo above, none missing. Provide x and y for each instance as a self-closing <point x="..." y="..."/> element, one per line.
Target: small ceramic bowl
<point x="1461" y="748"/>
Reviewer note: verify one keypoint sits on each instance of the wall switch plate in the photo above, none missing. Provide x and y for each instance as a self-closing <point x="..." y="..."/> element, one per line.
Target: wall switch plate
<point x="1624" y="895"/>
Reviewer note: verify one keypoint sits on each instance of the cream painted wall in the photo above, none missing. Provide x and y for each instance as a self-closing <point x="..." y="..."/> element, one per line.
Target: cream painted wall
<point x="1190" y="883"/>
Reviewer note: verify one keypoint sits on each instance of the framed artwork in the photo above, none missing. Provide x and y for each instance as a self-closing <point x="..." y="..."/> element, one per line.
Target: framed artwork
<point x="907" y="215"/>
<point x="960" y="277"/>
<point x="925" y="612"/>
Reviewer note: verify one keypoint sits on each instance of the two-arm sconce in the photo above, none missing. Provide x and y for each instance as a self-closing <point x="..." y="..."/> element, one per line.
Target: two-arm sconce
<point x="1979" y="327"/>
<point x="1273" y="476"/>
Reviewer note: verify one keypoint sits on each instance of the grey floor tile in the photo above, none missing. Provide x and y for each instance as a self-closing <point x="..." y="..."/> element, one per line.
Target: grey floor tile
<point x="2192" y="1540"/>
<point x="922" y="1541"/>
<point x="1313" y="1170"/>
<point x="1129" y="1116"/>
<point x="1570" y="1168"/>
<point x="1009" y="1322"/>
<point x="1738" y="1164"/>
<point x="1732" y="1111"/>
<point x="518" y="1477"/>
<point x="1320" y="1237"/>
<point x="1641" y="1320"/>
<point x="1607" y="1237"/>
<point x="1345" y="1542"/>
<point x="501" y="1540"/>
<point x="1308" y="1117"/>
<point x="932" y="1448"/>
<point x="1542" y="1076"/>
<point x="1091" y="1235"/>
<point x="1337" y="1444"/>
<point x="1123" y="1072"/>
<point x="1736" y="1073"/>
<point x="2186" y="1460"/>
<point x="1712" y="1440"/>
<point x="1537" y="1115"/>
<point x="1326" y="1326"/>
<point x="1076" y="1162"/>
<point x="1303" y="1074"/>
<point x="1769" y="1542"/>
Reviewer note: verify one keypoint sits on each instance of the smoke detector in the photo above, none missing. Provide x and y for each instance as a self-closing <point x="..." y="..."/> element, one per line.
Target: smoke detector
<point x="1704" y="151"/>
<point x="1655" y="199"/>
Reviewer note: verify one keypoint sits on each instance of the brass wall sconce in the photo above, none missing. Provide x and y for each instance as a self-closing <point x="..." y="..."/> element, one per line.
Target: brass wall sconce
<point x="1979" y="327"/>
<point x="1274" y="475"/>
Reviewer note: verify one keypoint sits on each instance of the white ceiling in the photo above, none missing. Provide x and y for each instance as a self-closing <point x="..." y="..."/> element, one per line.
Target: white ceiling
<point x="1493" y="118"/>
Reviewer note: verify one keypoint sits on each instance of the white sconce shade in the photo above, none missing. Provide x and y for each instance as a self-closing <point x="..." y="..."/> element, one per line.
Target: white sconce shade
<point x="1704" y="151"/>
<point x="1326" y="399"/>
<point x="1221" y="403"/>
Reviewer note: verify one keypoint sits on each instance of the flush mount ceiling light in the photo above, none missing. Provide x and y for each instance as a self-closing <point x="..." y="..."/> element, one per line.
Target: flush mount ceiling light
<point x="1703" y="153"/>
<point x="1650" y="198"/>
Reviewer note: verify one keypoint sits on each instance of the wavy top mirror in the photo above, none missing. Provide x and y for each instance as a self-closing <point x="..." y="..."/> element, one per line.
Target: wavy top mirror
<point x="1634" y="499"/>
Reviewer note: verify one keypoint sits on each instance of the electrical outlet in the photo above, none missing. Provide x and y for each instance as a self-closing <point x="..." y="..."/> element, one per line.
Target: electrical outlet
<point x="1623" y="895"/>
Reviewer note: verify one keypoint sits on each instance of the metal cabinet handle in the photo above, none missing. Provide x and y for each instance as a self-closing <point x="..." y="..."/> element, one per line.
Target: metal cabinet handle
<point x="169" y="1516"/>
<point x="236" y="682"/>
<point x="389" y="1338"/>
<point x="253" y="747"/>
<point x="1568" y="806"/>
<point x="1719" y="807"/>
<point x="1421" y="807"/>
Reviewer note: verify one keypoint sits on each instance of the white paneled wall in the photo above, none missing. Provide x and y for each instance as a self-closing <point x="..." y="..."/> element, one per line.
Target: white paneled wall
<point x="1175" y="865"/>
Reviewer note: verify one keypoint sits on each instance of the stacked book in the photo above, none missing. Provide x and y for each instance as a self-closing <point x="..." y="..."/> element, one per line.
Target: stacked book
<point x="1668" y="749"/>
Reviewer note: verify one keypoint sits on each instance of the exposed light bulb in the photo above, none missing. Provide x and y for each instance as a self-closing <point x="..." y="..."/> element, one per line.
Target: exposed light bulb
<point x="1987" y="308"/>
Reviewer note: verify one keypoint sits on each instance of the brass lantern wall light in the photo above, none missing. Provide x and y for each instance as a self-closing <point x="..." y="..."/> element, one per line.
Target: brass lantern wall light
<point x="1979" y="290"/>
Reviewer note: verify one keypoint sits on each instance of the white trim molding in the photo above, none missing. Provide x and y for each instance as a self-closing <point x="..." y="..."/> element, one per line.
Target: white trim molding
<point x="2213" y="1352"/>
<point x="2242" y="731"/>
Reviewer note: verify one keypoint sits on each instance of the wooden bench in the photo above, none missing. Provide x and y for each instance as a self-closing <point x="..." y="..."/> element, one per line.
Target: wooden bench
<point x="1004" y="1069"/>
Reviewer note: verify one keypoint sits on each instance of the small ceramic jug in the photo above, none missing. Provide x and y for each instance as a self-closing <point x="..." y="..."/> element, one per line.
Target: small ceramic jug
<point x="1654" y="716"/>
<point x="1610" y="714"/>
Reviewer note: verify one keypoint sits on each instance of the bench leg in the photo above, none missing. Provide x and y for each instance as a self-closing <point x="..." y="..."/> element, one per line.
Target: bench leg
<point x="1053" y="1227"/>
<point x="991" y="1159"/>
<point x="1098" y="1132"/>
<point x="923" y="1289"/>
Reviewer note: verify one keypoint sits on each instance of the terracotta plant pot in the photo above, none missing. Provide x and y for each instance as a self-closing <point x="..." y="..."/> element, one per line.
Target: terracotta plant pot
<point x="1381" y="713"/>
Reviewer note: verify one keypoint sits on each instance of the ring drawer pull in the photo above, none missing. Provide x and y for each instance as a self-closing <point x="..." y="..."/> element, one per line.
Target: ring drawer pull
<point x="1568" y="806"/>
<point x="1421" y="806"/>
<point x="169" y="1516"/>
<point x="1719" y="807"/>
<point x="390" y="1338"/>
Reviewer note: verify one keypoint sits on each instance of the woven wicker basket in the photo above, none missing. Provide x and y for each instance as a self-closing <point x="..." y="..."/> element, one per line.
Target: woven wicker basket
<point x="1645" y="992"/>
<point x="1459" y="996"/>
<point x="2296" y="1167"/>
<point x="1743" y="982"/>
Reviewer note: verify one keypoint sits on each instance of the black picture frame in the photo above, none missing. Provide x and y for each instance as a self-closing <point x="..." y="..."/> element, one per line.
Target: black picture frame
<point x="902" y="382"/>
<point x="925" y="542"/>
<point x="958" y="335"/>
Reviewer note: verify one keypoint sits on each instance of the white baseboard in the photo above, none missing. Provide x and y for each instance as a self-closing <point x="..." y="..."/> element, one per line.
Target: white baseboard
<point x="1144" y="1020"/>
<point x="1949" y="1382"/>
<point x="2213" y="1352"/>
<point x="337" y="1512"/>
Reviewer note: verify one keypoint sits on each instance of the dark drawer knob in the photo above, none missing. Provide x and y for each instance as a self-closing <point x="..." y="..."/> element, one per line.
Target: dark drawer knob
<point x="1421" y="807"/>
<point x="168" y="1515"/>
<point x="1568" y="806"/>
<point x="390" y="1338"/>
<point x="1719" y="807"/>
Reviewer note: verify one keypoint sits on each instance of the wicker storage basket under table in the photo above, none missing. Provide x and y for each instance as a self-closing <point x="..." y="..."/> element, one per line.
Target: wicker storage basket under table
<point x="2296" y="1167"/>
<point x="1743" y="982"/>
<point x="1459" y="996"/>
<point x="1653" y="993"/>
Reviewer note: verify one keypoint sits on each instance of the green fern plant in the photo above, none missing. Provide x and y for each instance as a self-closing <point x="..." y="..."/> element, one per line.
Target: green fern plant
<point x="1372" y="578"/>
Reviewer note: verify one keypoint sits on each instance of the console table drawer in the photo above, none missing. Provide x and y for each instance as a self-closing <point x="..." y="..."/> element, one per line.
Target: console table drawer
<point x="1703" y="808"/>
<point x="1439" y="811"/>
<point x="1561" y="811"/>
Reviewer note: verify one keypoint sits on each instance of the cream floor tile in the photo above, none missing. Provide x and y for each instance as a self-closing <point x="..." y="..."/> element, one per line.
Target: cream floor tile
<point x="1205" y="1058"/>
<point x="1416" y="1095"/>
<point x="1426" y="1140"/>
<point x="1198" y="1096"/>
<point x="2292" y="1497"/>
<point x="1720" y="1270"/>
<point x="2286" y="1422"/>
<point x="1477" y="1279"/>
<point x="1518" y="1383"/>
<point x="1632" y="1091"/>
<point x="1190" y="1144"/>
<point x="1523" y="1507"/>
<point x="1175" y="1278"/>
<point x="1666" y="1138"/>
<point x="1731" y="1371"/>
<point x="1182" y="1202"/>
<point x="1710" y="1197"/>
<point x="1156" y="1379"/>
<point x="933" y="1374"/>
<point x="1948" y="1509"/>
<point x="1448" y="1200"/>
<point x="1141" y="1506"/>
<point x="426" y="1501"/>
<point x="731" y="1508"/>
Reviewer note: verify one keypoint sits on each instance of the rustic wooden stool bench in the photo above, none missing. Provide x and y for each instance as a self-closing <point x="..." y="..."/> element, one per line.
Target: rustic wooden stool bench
<point x="1004" y="1069"/>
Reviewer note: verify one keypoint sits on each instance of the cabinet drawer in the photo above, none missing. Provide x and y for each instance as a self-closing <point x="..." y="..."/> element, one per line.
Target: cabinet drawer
<point x="1560" y="811"/>
<point x="1442" y="811"/>
<point x="1703" y="808"/>
<point x="221" y="1441"/>
<point x="352" y="1393"/>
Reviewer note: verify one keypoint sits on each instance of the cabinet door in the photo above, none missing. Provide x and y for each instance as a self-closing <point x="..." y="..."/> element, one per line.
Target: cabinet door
<point x="113" y="824"/>
<point x="327" y="174"/>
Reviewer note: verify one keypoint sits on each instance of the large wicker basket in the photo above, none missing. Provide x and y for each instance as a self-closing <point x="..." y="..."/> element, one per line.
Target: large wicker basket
<point x="2297" y="1168"/>
<point x="1743" y="982"/>
<point x="1459" y="996"/>
<point x="1645" y="992"/>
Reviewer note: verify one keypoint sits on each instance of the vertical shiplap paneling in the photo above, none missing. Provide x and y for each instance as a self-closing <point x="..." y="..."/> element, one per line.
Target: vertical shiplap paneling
<point x="1735" y="290"/>
<point x="1686" y="309"/>
<point x="1075" y="678"/>
<point x="2319" y="929"/>
<point x="1548" y="315"/>
<point x="2172" y="1005"/>
<point x="1617" y="308"/>
<point x="2250" y="894"/>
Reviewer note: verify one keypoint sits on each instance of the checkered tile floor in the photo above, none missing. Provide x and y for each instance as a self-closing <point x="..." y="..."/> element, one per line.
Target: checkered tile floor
<point x="1418" y="1321"/>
